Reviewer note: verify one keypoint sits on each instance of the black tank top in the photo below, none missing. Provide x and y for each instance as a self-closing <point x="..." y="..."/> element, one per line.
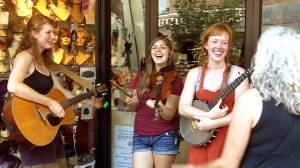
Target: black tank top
<point x="275" y="140"/>
<point x="39" y="82"/>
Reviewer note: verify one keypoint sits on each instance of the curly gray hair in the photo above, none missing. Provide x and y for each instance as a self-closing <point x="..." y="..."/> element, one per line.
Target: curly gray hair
<point x="276" y="66"/>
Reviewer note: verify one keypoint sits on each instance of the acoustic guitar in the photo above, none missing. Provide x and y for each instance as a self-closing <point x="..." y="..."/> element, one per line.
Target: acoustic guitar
<point x="188" y="128"/>
<point x="33" y="124"/>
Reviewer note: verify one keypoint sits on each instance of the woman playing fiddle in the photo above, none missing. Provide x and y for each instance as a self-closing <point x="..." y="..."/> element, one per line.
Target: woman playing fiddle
<point x="156" y="139"/>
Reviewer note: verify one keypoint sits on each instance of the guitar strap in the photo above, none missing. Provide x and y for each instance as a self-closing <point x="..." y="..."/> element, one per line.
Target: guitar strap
<point x="74" y="76"/>
<point x="224" y="83"/>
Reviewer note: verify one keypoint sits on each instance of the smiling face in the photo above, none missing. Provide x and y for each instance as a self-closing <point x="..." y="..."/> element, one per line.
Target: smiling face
<point x="81" y="38"/>
<point x="45" y="37"/>
<point x="217" y="47"/>
<point x="160" y="53"/>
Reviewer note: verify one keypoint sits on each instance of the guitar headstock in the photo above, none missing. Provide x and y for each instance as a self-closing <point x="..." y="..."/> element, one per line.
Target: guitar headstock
<point x="100" y="90"/>
<point x="249" y="71"/>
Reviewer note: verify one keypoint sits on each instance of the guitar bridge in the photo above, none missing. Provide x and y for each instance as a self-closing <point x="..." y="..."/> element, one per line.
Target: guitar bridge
<point x="40" y="114"/>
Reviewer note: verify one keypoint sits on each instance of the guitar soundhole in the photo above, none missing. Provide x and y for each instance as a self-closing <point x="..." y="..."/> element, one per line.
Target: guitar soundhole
<point x="54" y="121"/>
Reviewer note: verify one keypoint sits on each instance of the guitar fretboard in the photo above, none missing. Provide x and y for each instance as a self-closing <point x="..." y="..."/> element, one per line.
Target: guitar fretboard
<point x="70" y="102"/>
<point x="230" y="88"/>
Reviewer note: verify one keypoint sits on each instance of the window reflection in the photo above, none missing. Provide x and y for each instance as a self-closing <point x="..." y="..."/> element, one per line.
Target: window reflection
<point x="281" y="13"/>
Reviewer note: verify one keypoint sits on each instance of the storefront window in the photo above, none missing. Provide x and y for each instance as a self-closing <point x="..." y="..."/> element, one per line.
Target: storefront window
<point x="280" y="14"/>
<point x="73" y="49"/>
<point x="127" y="51"/>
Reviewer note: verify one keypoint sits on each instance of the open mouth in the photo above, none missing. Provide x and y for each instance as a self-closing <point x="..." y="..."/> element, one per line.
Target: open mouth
<point x="158" y="56"/>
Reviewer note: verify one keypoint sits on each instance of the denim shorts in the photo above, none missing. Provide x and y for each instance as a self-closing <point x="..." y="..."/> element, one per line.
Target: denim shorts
<point x="166" y="143"/>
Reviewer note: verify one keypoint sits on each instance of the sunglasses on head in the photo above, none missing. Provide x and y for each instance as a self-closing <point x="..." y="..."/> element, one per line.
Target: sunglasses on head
<point x="18" y="32"/>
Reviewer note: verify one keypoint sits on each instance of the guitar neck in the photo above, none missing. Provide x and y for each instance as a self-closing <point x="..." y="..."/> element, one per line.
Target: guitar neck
<point x="230" y="88"/>
<point x="76" y="99"/>
<point x="100" y="89"/>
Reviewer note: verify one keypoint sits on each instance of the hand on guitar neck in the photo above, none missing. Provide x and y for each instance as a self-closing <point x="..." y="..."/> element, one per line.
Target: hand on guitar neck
<point x="190" y="128"/>
<point x="41" y="126"/>
<point x="218" y="111"/>
<point x="205" y="123"/>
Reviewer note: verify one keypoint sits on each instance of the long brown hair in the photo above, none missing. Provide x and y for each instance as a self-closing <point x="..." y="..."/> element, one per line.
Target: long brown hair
<point x="35" y="23"/>
<point x="144" y="84"/>
<point x="217" y="29"/>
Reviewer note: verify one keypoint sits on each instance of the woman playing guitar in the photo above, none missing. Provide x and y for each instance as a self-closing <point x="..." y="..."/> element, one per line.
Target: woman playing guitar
<point x="205" y="83"/>
<point x="31" y="79"/>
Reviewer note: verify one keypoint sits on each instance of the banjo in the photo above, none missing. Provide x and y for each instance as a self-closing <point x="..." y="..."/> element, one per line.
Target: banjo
<point x="188" y="128"/>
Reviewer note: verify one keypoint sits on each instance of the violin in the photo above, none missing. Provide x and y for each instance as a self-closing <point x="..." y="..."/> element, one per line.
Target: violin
<point x="161" y="86"/>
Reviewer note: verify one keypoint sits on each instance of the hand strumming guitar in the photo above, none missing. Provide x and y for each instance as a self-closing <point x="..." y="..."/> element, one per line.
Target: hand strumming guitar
<point x="218" y="111"/>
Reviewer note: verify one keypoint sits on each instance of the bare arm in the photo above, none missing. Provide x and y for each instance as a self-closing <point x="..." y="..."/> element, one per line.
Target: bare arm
<point x="132" y="101"/>
<point x="168" y="111"/>
<point x="245" y="116"/>
<point x="96" y="102"/>
<point x="185" y="107"/>
<point x="216" y="120"/>
<point x="225" y="121"/>
<point x="23" y="66"/>
<point x="187" y="96"/>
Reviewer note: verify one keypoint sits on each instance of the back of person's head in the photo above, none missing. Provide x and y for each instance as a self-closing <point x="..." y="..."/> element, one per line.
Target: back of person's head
<point x="276" y="67"/>
<point x="217" y="29"/>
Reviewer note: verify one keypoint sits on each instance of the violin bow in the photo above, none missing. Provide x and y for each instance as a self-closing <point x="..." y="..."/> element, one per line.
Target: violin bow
<point x="121" y="89"/>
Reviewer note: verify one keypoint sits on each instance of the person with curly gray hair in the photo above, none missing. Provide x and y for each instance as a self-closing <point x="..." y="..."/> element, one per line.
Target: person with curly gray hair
<point x="264" y="131"/>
